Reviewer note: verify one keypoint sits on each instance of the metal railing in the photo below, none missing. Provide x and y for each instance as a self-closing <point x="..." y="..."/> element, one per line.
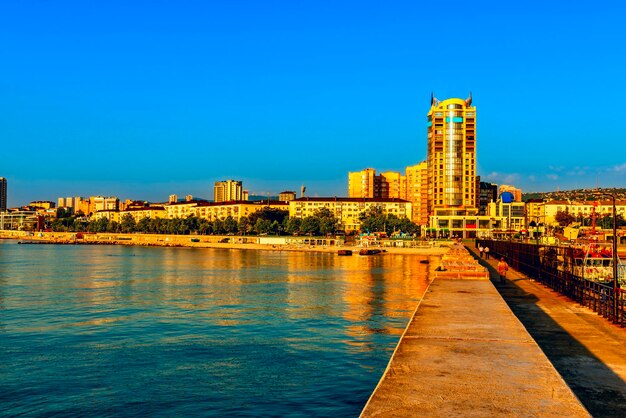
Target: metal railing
<point x="554" y="267"/>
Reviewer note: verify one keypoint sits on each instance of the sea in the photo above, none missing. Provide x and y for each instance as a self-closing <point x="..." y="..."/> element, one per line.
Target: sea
<point x="90" y="330"/>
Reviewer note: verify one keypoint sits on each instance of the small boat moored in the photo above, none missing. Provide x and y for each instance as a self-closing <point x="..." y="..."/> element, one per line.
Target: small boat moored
<point x="370" y="251"/>
<point x="344" y="252"/>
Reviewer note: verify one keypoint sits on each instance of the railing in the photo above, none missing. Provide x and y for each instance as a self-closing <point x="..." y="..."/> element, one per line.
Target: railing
<point x="554" y="267"/>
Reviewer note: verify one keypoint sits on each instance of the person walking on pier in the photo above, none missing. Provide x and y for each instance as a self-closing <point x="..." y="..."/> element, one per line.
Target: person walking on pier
<point x="503" y="267"/>
<point x="481" y="250"/>
<point x="486" y="250"/>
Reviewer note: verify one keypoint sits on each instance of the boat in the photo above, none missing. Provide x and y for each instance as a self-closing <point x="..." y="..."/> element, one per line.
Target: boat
<point x="370" y="251"/>
<point x="344" y="252"/>
<point x="593" y="261"/>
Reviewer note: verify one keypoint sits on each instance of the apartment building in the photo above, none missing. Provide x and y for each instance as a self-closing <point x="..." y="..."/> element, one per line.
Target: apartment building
<point x="417" y="192"/>
<point x="364" y="184"/>
<point x="348" y="209"/>
<point x="451" y="157"/>
<point x="228" y="191"/>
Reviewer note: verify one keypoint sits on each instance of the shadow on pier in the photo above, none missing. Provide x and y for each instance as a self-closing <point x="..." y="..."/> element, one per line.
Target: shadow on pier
<point x="587" y="350"/>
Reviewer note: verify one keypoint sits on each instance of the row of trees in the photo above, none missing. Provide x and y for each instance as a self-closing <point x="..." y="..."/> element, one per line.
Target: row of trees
<point x="374" y="220"/>
<point x="266" y="221"/>
<point x="602" y="220"/>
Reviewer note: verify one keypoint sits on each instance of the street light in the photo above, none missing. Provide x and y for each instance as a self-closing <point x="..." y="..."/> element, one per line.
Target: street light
<point x="615" y="272"/>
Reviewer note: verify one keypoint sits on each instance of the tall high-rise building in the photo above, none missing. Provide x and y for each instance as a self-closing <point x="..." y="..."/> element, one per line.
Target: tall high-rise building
<point x="227" y="191"/>
<point x="452" y="156"/>
<point x="488" y="193"/>
<point x="3" y="194"/>
<point x="412" y="186"/>
<point x="364" y="183"/>
<point x="417" y="191"/>
<point x="392" y="185"/>
<point x="368" y="184"/>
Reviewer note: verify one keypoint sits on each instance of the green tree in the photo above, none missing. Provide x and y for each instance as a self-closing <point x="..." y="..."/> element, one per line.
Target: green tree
<point x="204" y="226"/>
<point x="128" y="223"/>
<point x="327" y="221"/>
<point x="57" y="225"/>
<point x="190" y="224"/>
<point x="218" y="227"/>
<point x="244" y="226"/>
<point x="230" y="225"/>
<point x="100" y="225"/>
<point x="271" y="214"/>
<point x="144" y="226"/>
<point x="373" y="219"/>
<point x="113" y="227"/>
<point x="310" y="225"/>
<point x="263" y="226"/>
<point x="564" y="218"/>
<point x="293" y="225"/>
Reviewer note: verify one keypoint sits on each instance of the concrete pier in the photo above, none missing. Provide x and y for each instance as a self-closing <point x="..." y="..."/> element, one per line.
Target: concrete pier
<point x="464" y="353"/>
<point x="586" y="349"/>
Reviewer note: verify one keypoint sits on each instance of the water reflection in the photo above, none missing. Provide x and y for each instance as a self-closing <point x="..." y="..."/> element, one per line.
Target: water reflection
<point x="239" y="331"/>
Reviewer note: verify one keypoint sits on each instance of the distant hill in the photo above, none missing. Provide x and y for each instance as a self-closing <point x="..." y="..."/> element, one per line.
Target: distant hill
<point x="256" y="198"/>
<point x="576" y="194"/>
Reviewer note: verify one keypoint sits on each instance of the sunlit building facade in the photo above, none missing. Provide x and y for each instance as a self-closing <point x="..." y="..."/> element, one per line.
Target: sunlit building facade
<point x="417" y="191"/>
<point x="348" y="210"/>
<point x="228" y="191"/>
<point x="452" y="154"/>
<point x="364" y="184"/>
<point x="451" y="159"/>
<point x="286" y="196"/>
<point x="392" y="185"/>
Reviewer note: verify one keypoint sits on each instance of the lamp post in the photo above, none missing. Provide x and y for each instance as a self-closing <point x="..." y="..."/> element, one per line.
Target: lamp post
<point x="535" y="225"/>
<point x="615" y="266"/>
<point x="509" y="224"/>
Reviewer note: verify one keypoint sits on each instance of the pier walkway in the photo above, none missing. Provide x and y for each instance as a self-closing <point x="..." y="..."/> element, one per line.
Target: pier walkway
<point x="586" y="349"/>
<point x="464" y="353"/>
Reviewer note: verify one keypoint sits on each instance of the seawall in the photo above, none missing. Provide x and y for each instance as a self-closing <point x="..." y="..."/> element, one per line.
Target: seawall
<point x="204" y="241"/>
<point x="464" y="353"/>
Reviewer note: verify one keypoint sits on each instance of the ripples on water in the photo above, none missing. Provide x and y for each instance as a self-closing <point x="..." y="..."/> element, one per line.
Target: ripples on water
<point x="112" y="330"/>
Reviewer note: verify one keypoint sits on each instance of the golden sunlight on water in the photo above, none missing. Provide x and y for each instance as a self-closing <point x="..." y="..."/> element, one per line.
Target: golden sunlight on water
<point x="237" y="331"/>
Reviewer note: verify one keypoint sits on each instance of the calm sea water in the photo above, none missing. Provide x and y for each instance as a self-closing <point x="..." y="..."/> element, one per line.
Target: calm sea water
<point x="132" y="331"/>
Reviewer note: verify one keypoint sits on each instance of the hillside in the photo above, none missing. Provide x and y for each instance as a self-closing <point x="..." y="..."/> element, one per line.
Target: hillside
<point x="576" y="194"/>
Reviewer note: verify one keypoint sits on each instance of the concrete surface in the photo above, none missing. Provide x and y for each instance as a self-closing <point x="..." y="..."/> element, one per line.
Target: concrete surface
<point x="464" y="353"/>
<point x="586" y="349"/>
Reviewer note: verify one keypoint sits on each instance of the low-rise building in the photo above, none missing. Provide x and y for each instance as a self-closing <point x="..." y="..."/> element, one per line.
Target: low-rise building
<point x="213" y="211"/>
<point x="583" y="209"/>
<point x="138" y="213"/>
<point x="42" y="204"/>
<point x="286" y="196"/>
<point x="111" y="214"/>
<point x="100" y="203"/>
<point x="181" y="209"/>
<point x="348" y="209"/>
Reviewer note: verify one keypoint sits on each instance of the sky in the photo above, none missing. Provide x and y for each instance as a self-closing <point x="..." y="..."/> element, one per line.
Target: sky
<point x="143" y="99"/>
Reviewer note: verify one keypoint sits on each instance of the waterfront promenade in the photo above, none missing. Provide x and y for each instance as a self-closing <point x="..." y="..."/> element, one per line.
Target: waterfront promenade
<point x="586" y="349"/>
<point x="464" y="353"/>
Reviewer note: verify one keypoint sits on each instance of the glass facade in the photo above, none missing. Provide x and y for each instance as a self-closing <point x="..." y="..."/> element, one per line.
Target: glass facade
<point x="451" y="155"/>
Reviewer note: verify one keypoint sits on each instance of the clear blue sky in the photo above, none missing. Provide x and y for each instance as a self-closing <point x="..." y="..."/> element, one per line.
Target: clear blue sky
<point x="141" y="99"/>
